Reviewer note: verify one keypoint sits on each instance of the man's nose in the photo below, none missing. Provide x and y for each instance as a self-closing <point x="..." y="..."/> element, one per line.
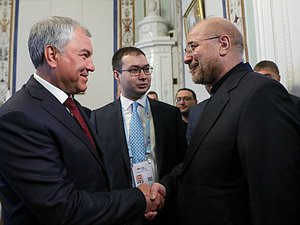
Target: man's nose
<point x="188" y="57"/>
<point x="90" y="65"/>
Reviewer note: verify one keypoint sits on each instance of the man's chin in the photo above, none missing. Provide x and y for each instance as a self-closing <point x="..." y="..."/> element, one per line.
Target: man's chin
<point x="196" y="79"/>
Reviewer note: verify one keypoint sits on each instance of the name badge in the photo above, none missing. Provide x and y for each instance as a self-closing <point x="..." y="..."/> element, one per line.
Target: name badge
<point x="142" y="173"/>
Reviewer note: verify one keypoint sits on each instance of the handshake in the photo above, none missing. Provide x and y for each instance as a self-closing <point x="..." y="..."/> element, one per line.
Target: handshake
<point x="155" y="198"/>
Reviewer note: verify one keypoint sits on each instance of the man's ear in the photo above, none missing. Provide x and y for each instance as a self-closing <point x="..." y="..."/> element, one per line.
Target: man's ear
<point x="117" y="75"/>
<point x="225" y="44"/>
<point x="50" y="55"/>
<point x="279" y="77"/>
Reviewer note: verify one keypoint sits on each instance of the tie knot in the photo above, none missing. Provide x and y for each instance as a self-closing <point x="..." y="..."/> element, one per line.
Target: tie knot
<point x="134" y="106"/>
<point x="69" y="103"/>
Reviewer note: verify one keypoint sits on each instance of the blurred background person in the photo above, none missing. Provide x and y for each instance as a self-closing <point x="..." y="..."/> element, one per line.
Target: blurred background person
<point x="194" y="115"/>
<point x="185" y="98"/>
<point x="153" y="95"/>
<point x="270" y="69"/>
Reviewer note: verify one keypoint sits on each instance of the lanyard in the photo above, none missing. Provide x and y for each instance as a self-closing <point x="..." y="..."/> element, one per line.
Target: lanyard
<point x="147" y="140"/>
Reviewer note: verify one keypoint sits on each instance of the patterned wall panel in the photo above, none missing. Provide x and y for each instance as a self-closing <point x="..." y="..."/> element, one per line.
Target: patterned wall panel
<point x="127" y="23"/>
<point x="8" y="16"/>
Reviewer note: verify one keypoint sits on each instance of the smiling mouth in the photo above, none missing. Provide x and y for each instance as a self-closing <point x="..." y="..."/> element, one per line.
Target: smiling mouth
<point x="142" y="85"/>
<point x="193" y="68"/>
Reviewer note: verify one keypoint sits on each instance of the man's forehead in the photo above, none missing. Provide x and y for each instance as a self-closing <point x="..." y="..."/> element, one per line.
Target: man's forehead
<point x="184" y="93"/>
<point x="136" y="59"/>
<point x="266" y="71"/>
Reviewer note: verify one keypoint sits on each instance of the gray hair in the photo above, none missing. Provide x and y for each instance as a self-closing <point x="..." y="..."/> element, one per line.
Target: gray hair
<point x="55" y="31"/>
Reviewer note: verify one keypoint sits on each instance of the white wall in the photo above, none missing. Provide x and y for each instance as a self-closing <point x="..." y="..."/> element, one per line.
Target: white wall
<point x="277" y="37"/>
<point x="97" y="16"/>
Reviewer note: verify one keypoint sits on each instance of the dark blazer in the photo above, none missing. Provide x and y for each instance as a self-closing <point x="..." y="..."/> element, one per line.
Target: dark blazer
<point x="296" y="100"/>
<point x="169" y="138"/>
<point x="49" y="171"/>
<point x="194" y="115"/>
<point x="243" y="162"/>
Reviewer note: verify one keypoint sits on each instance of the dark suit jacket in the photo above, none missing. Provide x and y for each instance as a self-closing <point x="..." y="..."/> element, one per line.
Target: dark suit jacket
<point x="50" y="172"/>
<point x="296" y="100"/>
<point x="194" y="115"/>
<point x="243" y="163"/>
<point x="169" y="138"/>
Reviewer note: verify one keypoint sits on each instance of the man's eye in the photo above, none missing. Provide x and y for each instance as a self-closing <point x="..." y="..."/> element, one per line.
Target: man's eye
<point x="84" y="56"/>
<point x="146" y="70"/>
<point x="193" y="47"/>
<point x="134" y="70"/>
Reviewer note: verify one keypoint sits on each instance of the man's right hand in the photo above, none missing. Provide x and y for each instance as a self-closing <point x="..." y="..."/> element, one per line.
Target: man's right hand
<point x="155" y="198"/>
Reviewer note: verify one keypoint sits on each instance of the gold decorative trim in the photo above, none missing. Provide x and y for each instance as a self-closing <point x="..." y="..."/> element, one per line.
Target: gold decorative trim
<point x="235" y="11"/>
<point x="193" y="14"/>
<point x="126" y="23"/>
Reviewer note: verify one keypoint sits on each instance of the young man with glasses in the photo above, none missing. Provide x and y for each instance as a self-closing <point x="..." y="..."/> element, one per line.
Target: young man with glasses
<point x="164" y="141"/>
<point x="185" y="99"/>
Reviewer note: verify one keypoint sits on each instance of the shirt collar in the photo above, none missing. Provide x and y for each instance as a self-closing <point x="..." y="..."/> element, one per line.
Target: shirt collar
<point x="58" y="93"/>
<point x="126" y="103"/>
<point x="231" y="72"/>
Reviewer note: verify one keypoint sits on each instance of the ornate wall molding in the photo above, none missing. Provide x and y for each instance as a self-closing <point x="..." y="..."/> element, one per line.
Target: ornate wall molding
<point x="126" y="23"/>
<point x="288" y="51"/>
<point x="7" y="31"/>
<point x="180" y="54"/>
<point x="273" y="38"/>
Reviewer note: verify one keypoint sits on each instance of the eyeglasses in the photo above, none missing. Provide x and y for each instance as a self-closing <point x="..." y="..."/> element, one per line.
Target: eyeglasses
<point x="192" y="46"/>
<point x="185" y="99"/>
<point x="134" y="72"/>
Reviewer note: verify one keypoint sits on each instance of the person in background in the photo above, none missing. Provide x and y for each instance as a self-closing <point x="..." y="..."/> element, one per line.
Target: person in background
<point x="163" y="142"/>
<point x="52" y="169"/>
<point x="153" y="95"/>
<point x="194" y="115"/>
<point x="270" y="69"/>
<point x="185" y="98"/>
<point x="243" y="162"/>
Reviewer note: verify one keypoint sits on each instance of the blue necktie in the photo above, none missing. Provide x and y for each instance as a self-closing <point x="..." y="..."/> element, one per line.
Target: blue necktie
<point x="136" y="136"/>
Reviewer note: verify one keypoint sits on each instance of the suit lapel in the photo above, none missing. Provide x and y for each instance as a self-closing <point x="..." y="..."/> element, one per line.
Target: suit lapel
<point x="209" y="116"/>
<point x="119" y="132"/>
<point x="158" y="123"/>
<point x="213" y="110"/>
<point x="59" y="112"/>
<point x="92" y="131"/>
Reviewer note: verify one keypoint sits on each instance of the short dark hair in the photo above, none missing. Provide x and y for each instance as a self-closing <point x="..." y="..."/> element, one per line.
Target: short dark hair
<point x="152" y="92"/>
<point x="266" y="64"/>
<point x="190" y="90"/>
<point x="121" y="52"/>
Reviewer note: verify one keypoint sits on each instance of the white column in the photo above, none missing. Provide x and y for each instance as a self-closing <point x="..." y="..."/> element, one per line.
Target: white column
<point x="155" y="41"/>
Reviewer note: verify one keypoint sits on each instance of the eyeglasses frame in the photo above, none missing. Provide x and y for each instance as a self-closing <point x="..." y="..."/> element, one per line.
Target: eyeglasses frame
<point x="140" y="70"/>
<point x="192" y="49"/>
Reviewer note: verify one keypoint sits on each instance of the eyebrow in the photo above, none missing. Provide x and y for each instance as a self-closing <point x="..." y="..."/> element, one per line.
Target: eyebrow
<point x="138" y="66"/>
<point x="191" y="42"/>
<point x="86" y="50"/>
